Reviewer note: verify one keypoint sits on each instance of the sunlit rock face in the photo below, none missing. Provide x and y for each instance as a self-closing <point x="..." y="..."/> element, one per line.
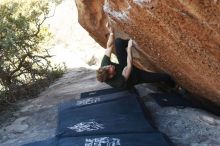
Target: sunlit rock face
<point x="93" y="19"/>
<point x="180" y="37"/>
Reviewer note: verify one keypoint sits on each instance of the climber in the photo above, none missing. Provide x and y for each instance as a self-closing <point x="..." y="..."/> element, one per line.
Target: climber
<point x="124" y="75"/>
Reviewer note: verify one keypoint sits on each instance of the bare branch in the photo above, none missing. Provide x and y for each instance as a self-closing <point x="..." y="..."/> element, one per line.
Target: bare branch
<point x="20" y="64"/>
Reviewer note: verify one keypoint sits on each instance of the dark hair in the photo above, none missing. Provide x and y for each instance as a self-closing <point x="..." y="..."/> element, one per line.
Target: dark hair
<point x="102" y="74"/>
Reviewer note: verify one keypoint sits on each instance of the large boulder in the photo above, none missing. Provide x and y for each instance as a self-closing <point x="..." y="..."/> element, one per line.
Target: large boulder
<point x="180" y="37"/>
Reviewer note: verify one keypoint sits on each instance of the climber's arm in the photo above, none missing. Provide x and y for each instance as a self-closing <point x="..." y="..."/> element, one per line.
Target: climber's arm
<point x="127" y="70"/>
<point x="110" y="42"/>
<point x="110" y="45"/>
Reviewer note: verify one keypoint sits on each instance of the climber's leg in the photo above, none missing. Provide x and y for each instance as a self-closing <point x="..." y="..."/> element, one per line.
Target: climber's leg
<point x="121" y="53"/>
<point x="150" y="77"/>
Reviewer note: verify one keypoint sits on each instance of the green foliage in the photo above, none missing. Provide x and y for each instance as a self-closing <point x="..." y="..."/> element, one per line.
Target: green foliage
<point x="24" y="57"/>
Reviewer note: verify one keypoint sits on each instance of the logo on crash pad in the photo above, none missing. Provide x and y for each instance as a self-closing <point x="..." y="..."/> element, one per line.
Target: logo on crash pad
<point x="87" y="126"/>
<point x="88" y="101"/>
<point x="102" y="141"/>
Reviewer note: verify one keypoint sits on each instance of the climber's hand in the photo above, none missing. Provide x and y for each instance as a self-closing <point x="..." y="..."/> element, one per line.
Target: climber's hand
<point x="110" y="29"/>
<point x="130" y="43"/>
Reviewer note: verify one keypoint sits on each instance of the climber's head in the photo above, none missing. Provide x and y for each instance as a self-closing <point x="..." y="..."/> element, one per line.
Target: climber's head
<point x="106" y="72"/>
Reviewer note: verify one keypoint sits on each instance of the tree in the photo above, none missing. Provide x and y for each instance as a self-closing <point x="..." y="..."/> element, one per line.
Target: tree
<point x="24" y="57"/>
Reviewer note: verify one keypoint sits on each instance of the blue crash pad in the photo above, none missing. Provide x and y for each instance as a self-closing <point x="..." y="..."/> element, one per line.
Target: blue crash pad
<point x="172" y="99"/>
<point x="108" y="117"/>
<point x="121" y="115"/>
<point x="96" y="99"/>
<point x="133" y="139"/>
<point x="101" y="92"/>
<point x="48" y="142"/>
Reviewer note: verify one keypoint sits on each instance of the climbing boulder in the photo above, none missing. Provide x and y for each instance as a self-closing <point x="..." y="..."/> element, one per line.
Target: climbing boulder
<point x="181" y="38"/>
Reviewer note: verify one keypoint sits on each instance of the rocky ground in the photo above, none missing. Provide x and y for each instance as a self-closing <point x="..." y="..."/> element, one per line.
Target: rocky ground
<point x="36" y="119"/>
<point x="184" y="126"/>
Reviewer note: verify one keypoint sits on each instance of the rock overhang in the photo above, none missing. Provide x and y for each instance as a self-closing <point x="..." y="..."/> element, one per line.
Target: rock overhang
<point x="181" y="38"/>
